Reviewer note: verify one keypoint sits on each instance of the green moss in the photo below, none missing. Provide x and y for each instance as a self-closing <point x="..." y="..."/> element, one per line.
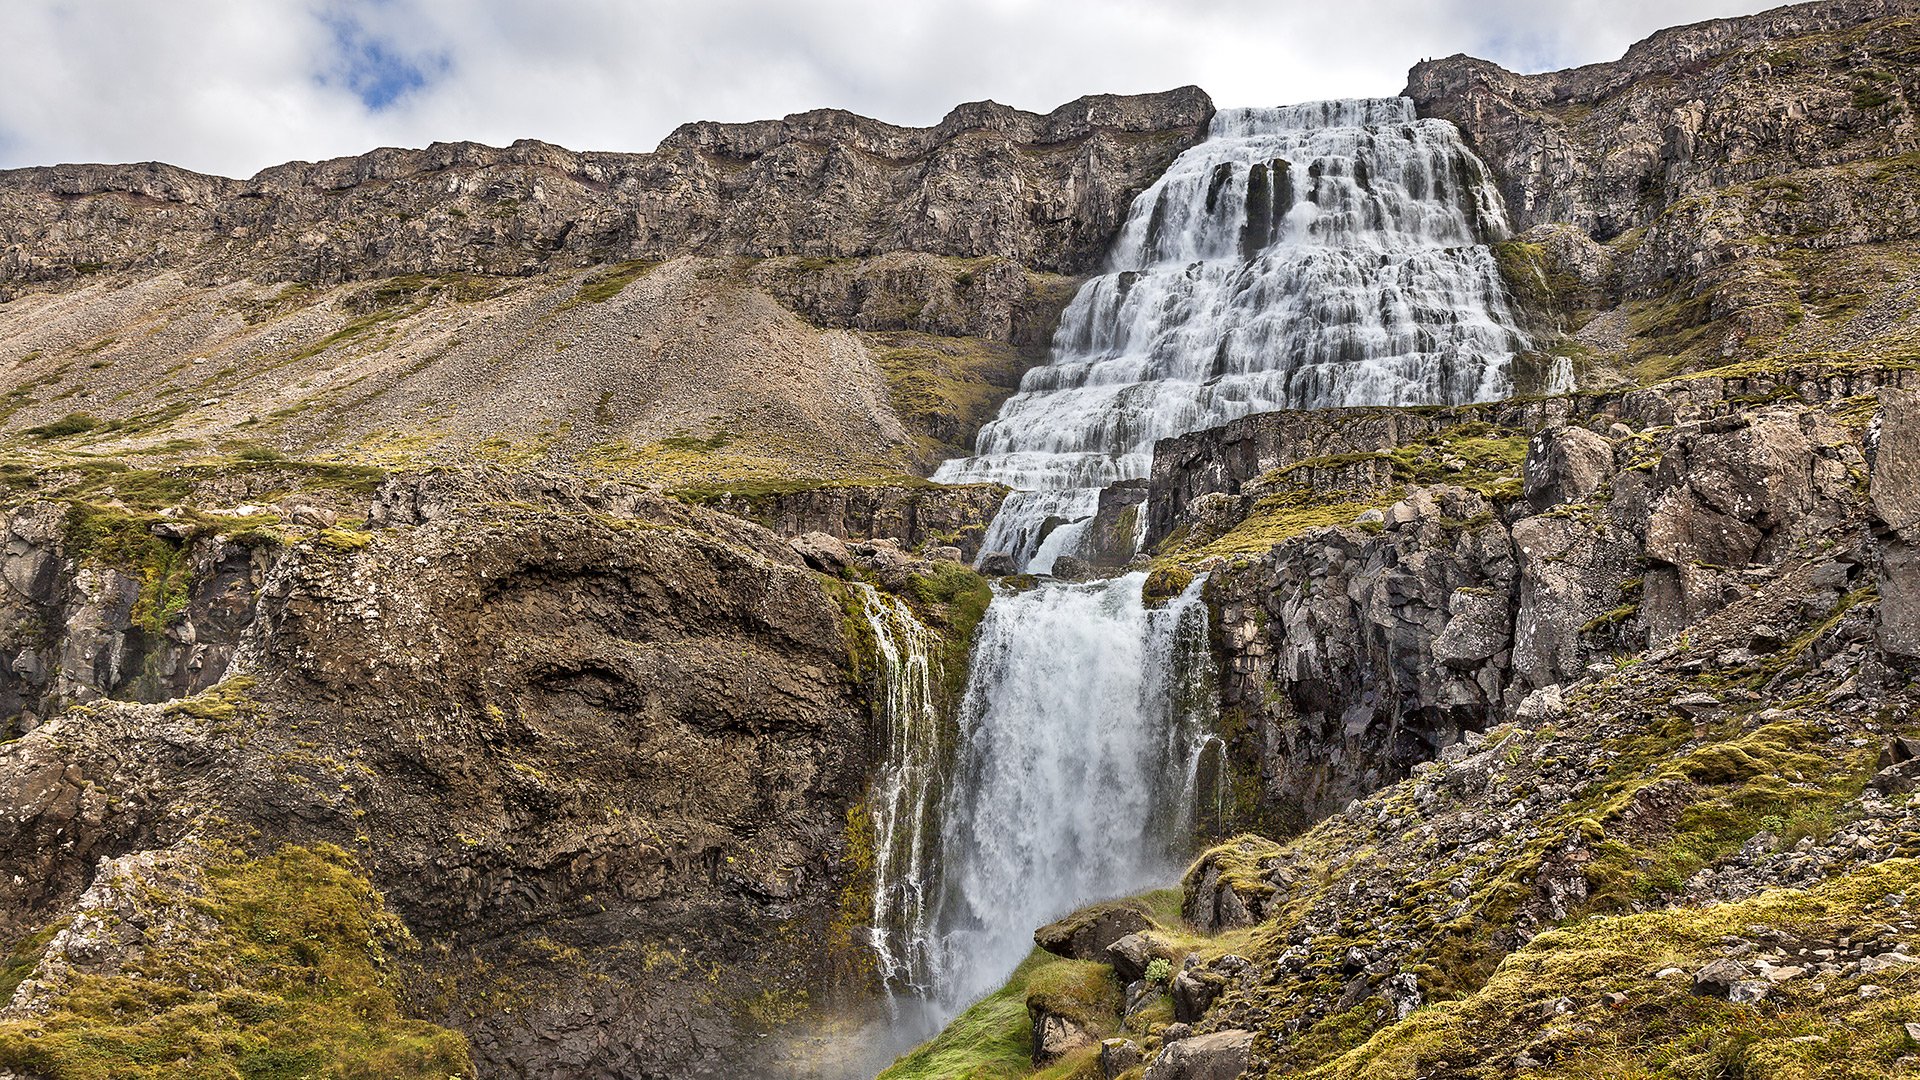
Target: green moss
<point x="952" y="598"/>
<point x="227" y="699"/>
<point x="1166" y="582"/>
<point x="993" y="1039"/>
<point x="1662" y="1029"/>
<point x="600" y="287"/>
<point x="295" y="979"/>
<point x="25" y="956"/>
<point x="944" y="388"/>
<point x="345" y="539"/>
<point x="1273" y="521"/>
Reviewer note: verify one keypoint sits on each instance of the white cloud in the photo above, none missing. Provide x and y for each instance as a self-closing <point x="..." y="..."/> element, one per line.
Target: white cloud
<point x="232" y="86"/>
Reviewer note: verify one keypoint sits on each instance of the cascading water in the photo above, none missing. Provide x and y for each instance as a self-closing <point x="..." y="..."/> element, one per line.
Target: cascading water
<point x="906" y="793"/>
<point x="1302" y="257"/>
<point x="1085" y="720"/>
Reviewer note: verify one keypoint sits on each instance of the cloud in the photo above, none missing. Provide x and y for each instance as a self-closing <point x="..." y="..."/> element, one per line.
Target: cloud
<point x="232" y="86"/>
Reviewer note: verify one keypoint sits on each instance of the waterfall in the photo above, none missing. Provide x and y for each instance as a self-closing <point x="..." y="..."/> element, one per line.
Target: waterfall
<point x="906" y="793"/>
<point x="1304" y="257"/>
<point x="1084" y="723"/>
<point x="1313" y="256"/>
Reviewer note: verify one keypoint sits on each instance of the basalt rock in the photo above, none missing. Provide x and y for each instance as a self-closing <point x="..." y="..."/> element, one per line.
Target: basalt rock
<point x="1349" y="654"/>
<point x="595" y="747"/>
<point x="1046" y="192"/>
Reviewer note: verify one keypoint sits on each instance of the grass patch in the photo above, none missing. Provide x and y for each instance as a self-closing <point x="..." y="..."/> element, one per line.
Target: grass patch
<point x="606" y="284"/>
<point x="295" y="979"/>
<point x="70" y="424"/>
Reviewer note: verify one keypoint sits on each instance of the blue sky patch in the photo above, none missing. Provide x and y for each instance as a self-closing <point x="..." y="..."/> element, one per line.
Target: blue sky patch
<point x="375" y="69"/>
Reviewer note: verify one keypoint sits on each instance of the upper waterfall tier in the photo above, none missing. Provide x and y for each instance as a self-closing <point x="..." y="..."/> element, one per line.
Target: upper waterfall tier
<point x="1310" y="256"/>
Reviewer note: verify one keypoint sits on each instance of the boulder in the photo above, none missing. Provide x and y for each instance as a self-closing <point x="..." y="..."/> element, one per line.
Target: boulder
<point x="1223" y="1055"/>
<point x="1718" y="978"/>
<point x="1088" y="933"/>
<point x="1117" y="1056"/>
<point x="998" y="564"/>
<point x="1072" y="568"/>
<point x="1194" y="992"/>
<point x="1131" y="953"/>
<point x="1566" y="466"/>
<point x="1055" y="1036"/>
<point x="824" y="553"/>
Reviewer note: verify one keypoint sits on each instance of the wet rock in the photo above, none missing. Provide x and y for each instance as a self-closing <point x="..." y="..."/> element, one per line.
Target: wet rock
<point x="1072" y="568"/>
<point x="999" y="564"/>
<point x="1089" y="933"/>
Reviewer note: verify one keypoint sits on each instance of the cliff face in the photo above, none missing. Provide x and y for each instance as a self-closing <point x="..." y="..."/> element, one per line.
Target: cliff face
<point x="1479" y="555"/>
<point x="1724" y="190"/>
<point x="597" y="748"/>
<point x="1043" y="191"/>
<point x="821" y="297"/>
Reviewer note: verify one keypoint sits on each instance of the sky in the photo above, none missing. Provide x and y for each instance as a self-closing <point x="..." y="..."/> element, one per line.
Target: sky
<point x="233" y="86"/>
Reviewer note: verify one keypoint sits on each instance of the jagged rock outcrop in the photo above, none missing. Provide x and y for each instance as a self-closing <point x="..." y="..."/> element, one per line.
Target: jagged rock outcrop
<point x="155" y="616"/>
<point x="1044" y="191"/>
<point x="1690" y="110"/>
<point x="1743" y="173"/>
<point x="1351" y="653"/>
<point x="1894" y="445"/>
<point x="921" y="517"/>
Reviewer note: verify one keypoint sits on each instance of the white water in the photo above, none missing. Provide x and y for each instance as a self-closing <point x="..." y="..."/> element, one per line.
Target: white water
<point x="1303" y="257"/>
<point x="905" y="794"/>
<point x="1085" y="718"/>
<point x="1306" y="257"/>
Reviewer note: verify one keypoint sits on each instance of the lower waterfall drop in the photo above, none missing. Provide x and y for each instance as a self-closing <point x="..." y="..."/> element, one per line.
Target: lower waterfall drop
<point x="1085" y="720"/>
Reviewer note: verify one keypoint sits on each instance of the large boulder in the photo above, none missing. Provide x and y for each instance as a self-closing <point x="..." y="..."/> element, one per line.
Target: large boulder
<point x="1220" y="1056"/>
<point x="1087" y="933"/>
<point x="1566" y="466"/>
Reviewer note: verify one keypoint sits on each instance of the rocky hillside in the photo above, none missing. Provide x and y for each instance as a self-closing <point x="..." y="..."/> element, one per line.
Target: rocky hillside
<point x="379" y="692"/>
<point x="819" y="297"/>
<point x="1573" y="736"/>
<point x="494" y="705"/>
<point x="1649" y="664"/>
<point x="1726" y="191"/>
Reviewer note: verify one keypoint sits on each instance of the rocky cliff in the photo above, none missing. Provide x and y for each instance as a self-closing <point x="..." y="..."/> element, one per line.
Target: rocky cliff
<point x="1725" y="190"/>
<point x="821" y="297"/>
<point x="598" y="749"/>
<point x="1043" y="191"/>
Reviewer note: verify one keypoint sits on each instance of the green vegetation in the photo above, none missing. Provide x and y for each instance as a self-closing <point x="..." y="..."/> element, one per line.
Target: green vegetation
<point x="70" y="424"/>
<point x="604" y="285"/>
<point x="291" y="975"/>
<point x="944" y="388"/>
<point x="993" y="1039"/>
<point x="1273" y="521"/>
<point x="1661" y="1029"/>
<point x="128" y="541"/>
